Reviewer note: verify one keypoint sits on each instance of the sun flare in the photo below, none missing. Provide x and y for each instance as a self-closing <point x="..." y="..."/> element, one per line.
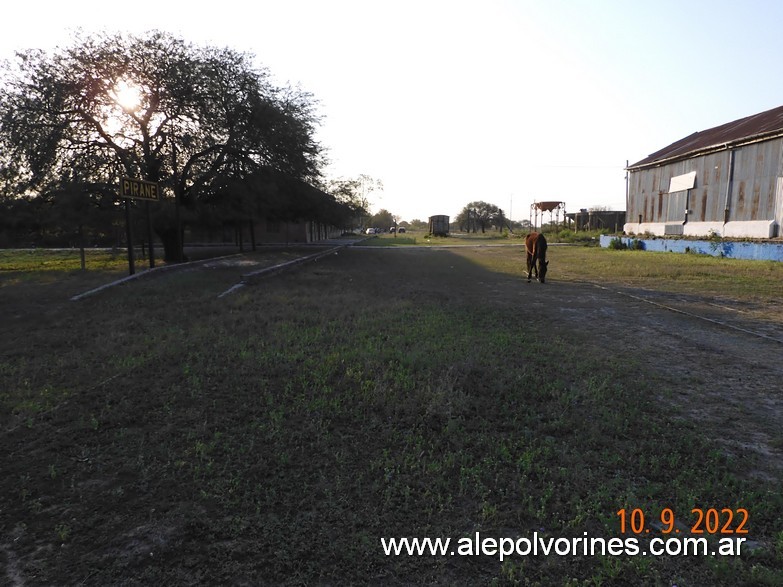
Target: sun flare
<point x="127" y="95"/>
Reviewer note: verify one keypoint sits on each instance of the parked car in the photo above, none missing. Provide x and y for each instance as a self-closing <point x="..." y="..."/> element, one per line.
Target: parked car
<point x="401" y="229"/>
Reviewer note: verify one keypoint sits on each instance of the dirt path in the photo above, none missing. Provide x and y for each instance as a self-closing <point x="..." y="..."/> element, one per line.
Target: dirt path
<point x="721" y="359"/>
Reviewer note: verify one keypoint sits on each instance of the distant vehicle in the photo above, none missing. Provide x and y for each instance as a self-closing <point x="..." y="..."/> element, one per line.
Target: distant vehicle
<point x="369" y="231"/>
<point x="401" y="229"/>
<point x="392" y="229"/>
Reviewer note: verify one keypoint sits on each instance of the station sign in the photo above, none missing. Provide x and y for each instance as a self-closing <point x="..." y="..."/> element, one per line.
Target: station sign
<point x="139" y="189"/>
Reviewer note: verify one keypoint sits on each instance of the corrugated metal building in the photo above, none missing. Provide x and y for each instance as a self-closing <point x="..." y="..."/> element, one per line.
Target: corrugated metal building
<point x="727" y="180"/>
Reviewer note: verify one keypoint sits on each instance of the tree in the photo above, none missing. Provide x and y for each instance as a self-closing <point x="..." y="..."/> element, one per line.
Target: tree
<point x="383" y="219"/>
<point x="154" y="107"/>
<point x="524" y="225"/>
<point x="351" y="193"/>
<point x="367" y="185"/>
<point x="417" y="224"/>
<point x="481" y="215"/>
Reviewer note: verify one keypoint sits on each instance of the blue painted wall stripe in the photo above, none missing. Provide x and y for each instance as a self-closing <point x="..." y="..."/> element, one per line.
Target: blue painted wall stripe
<point x="732" y="249"/>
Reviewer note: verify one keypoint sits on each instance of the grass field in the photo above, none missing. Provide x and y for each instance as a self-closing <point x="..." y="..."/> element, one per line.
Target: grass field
<point x="157" y="434"/>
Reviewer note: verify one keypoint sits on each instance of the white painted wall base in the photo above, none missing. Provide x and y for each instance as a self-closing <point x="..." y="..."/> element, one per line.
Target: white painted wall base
<point x="750" y="229"/>
<point x="735" y="229"/>
<point x="702" y="228"/>
<point x="640" y="228"/>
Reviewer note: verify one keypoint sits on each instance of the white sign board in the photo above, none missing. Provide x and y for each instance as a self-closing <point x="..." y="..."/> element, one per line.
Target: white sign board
<point x="680" y="183"/>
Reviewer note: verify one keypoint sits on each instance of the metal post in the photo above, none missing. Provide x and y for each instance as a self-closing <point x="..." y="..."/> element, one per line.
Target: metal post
<point x="177" y="220"/>
<point x="627" y="186"/>
<point x="129" y="233"/>
<point x="149" y="234"/>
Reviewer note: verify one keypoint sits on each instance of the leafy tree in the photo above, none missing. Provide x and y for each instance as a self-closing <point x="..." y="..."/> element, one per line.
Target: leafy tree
<point x="417" y="224"/>
<point x="383" y="219"/>
<point x="480" y="215"/>
<point x="525" y="225"/>
<point x="195" y="119"/>
<point x="351" y="192"/>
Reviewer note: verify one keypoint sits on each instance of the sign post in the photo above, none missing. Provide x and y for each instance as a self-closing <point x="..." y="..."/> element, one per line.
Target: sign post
<point x="139" y="190"/>
<point x="149" y="234"/>
<point x="129" y="234"/>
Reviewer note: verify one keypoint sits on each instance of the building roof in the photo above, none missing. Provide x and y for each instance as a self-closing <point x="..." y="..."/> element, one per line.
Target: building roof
<point x="751" y="128"/>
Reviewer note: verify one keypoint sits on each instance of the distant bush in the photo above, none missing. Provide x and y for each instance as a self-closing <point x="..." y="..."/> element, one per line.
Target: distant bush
<point x="618" y="244"/>
<point x="586" y="237"/>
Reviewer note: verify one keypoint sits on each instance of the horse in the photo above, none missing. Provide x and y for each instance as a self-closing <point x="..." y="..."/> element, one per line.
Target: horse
<point x="535" y="248"/>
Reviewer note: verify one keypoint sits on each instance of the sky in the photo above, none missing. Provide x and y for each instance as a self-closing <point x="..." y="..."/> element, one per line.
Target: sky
<point x="450" y="101"/>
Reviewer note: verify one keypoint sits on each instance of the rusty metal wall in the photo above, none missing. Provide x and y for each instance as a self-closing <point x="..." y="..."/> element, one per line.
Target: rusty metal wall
<point x="756" y="169"/>
<point x="755" y="173"/>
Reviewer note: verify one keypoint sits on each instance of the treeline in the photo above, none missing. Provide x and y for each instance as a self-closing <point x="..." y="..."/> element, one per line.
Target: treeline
<point x="83" y="217"/>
